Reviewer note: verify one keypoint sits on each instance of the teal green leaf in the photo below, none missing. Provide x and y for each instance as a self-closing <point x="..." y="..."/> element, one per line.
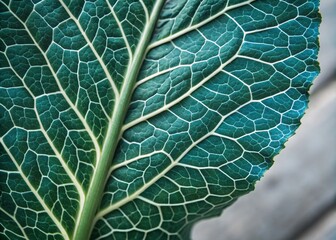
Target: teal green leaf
<point x="133" y="119"/>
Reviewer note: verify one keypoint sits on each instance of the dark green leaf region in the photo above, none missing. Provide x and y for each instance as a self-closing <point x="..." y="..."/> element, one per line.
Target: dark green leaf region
<point x="133" y="119"/>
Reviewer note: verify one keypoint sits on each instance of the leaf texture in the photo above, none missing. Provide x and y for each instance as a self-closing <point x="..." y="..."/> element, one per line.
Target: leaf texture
<point x="134" y="119"/>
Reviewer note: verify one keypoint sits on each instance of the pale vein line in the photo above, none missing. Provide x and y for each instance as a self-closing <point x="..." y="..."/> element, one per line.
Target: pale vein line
<point x="159" y="73"/>
<point x="58" y="155"/>
<point x="264" y="62"/>
<point x="198" y="25"/>
<point x="265" y="29"/>
<point x="36" y="194"/>
<point x="126" y="162"/>
<point x="204" y="167"/>
<point x="73" y="107"/>
<point x="158" y="205"/>
<point x="122" y="32"/>
<point x="16" y="221"/>
<point x="101" y="104"/>
<point x="100" y="60"/>
<point x="145" y="9"/>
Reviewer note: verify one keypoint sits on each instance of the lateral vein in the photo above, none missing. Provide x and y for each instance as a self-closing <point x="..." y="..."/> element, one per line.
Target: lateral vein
<point x="122" y="32"/>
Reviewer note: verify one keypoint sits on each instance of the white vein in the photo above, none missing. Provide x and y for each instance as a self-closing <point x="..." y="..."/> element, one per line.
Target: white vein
<point x="101" y="104"/>
<point x="146" y="79"/>
<point x="174" y="204"/>
<point x="122" y="32"/>
<point x="198" y="25"/>
<point x="145" y="10"/>
<point x="124" y="163"/>
<point x="100" y="60"/>
<point x="36" y="194"/>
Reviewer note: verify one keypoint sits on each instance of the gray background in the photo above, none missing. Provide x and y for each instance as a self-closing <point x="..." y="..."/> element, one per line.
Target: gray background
<point x="296" y="197"/>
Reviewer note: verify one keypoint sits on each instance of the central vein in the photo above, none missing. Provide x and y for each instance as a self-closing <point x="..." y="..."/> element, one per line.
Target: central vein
<point x="93" y="198"/>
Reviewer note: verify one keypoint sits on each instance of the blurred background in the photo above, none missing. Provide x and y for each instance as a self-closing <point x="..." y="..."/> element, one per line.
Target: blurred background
<point x="296" y="199"/>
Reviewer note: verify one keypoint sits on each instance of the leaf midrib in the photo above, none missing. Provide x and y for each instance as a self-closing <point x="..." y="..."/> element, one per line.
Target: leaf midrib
<point x="93" y="198"/>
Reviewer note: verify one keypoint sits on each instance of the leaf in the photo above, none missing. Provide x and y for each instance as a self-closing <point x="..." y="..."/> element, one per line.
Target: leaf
<point x="134" y="119"/>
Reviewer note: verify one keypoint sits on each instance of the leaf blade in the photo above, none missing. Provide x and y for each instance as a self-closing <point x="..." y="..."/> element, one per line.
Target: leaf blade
<point x="215" y="94"/>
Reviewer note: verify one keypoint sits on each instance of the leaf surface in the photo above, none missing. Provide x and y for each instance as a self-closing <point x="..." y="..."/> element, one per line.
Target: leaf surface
<point x="134" y="119"/>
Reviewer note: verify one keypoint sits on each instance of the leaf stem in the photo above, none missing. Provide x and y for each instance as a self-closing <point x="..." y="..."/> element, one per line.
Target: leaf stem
<point x="93" y="198"/>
